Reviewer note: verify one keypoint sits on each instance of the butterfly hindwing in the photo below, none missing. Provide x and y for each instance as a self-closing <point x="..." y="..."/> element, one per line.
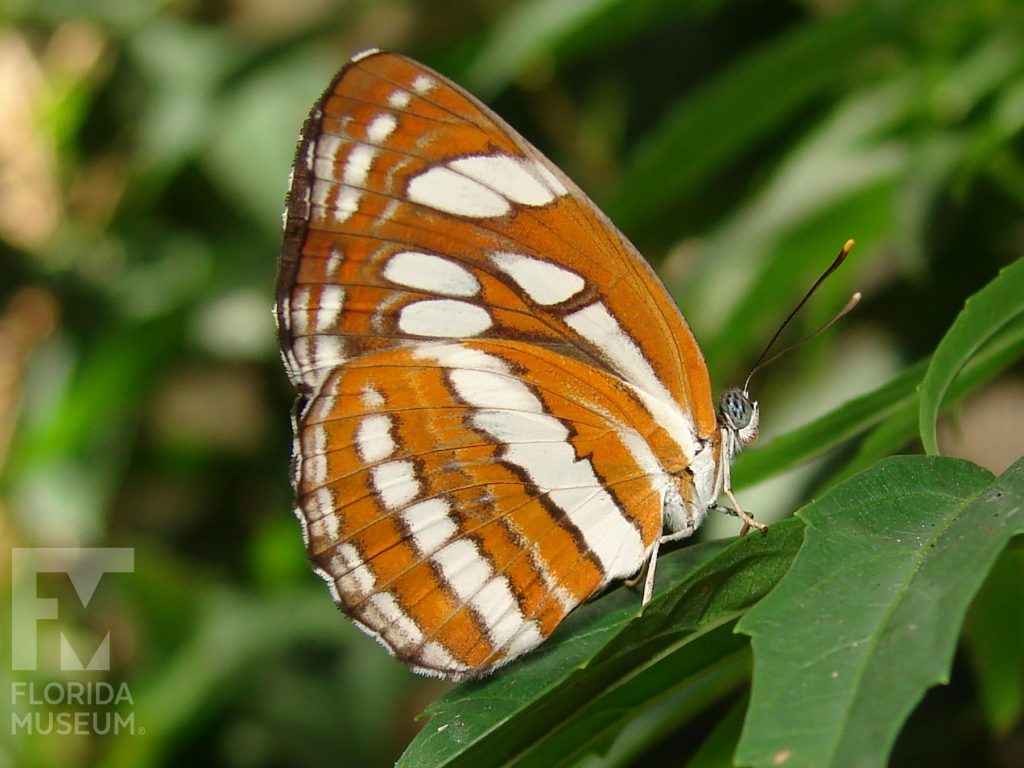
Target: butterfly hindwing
<point x="460" y="515"/>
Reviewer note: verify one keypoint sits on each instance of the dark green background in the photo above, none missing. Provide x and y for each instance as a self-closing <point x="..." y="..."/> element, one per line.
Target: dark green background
<point x="145" y="152"/>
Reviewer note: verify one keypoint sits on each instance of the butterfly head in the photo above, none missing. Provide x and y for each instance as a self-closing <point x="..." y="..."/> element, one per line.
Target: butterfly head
<point x="739" y="414"/>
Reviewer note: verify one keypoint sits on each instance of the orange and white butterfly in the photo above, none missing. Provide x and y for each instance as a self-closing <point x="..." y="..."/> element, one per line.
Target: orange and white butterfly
<point x="500" y="409"/>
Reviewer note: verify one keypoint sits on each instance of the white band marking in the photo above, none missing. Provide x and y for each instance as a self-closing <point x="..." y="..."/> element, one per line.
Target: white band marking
<point x="357" y="166"/>
<point x="315" y="462"/>
<point x="298" y="311"/>
<point x="434" y="656"/>
<point x="457" y="356"/>
<point x="314" y="357"/>
<point x="597" y="325"/>
<point x="538" y="443"/>
<point x="373" y="438"/>
<point x="550" y="179"/>
<point x="430" y="524"/>
<point x="383" y="612"/>
<point x="330" y="303"/>
<point x="324" y="529"/>
<point x="347" y="204"/>
<point x="358" y="580"/>
<point x="470" y="576"/>
<point x="462" y="567"/>
<point x="395" y="483"/>
<point x="500" y="613"/>
<point x="485" y="389"/>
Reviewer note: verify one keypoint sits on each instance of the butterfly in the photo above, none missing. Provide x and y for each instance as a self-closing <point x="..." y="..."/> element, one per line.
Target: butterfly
<point x="501" y="410"/>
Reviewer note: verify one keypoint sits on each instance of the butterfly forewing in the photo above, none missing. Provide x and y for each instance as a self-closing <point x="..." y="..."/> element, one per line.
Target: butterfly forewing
<point x="431" y="217"/>
<point x="499" y="399"/>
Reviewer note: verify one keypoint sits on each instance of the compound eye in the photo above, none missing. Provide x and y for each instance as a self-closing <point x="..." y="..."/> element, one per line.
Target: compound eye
<point x="736" y="408"/>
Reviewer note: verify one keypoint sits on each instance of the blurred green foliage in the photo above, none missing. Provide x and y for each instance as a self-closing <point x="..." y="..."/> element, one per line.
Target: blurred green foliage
<point x="145" y="149"/>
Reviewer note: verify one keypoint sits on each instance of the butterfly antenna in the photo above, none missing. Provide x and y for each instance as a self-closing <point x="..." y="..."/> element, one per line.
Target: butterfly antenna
<point x="764" y="360"/>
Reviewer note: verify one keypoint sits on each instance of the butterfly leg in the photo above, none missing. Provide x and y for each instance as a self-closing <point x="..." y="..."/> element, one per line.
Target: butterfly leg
<point x="647" y="574"/>
<point x="652" y="562"/>
<point x="748" y="521"/>
<point x="641" y="575"/>
<point x="737" y="510"/>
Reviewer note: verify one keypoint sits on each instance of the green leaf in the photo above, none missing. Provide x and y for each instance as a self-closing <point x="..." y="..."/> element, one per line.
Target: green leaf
<point x="984" y="314"/>
<point x="578" y="690"/>
<point x="710" y="664"/>
<point x="899" y="427"/>
<point x="868" y="616"/>
<point x="995" y="637"/>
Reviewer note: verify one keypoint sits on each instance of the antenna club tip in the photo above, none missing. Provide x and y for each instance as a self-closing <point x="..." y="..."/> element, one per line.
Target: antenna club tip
<point x="848" y="245"/>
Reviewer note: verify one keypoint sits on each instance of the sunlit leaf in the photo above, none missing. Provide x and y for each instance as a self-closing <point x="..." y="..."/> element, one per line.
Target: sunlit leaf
<point x="984" y="314"/>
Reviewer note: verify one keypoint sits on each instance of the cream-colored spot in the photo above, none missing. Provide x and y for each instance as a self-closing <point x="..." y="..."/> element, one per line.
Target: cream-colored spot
<point x="446" y="190"/>
<point x="543" y="282"/>
<point x="371" y="397"/>
<point x="395" y="483"/>
<point x="399" y="99"/>
<point x="514" y="178"/>
<point x="445" y="318"/>
<point x="373" y="438"/>
<point x="334" y="258"/>
<point x="423" y="84"/>
<point x="432" y="273"/>
<point x="381" y="128"/>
